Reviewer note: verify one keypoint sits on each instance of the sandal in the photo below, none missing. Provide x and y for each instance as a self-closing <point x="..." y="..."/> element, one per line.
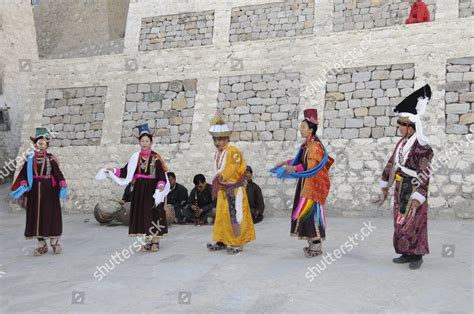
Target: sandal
<point x="216" y="247"/>
<point x="155" y="247"/>
<point x="56" y="247"/>
<point x="311" y="253"/>
<point x="145" y="248"/>
<point x="234" y="250"/>
<point x="40" y="250"/>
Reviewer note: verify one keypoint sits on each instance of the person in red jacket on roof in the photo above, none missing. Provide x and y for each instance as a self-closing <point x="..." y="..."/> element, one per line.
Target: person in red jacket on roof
<point x="419" y="13"/>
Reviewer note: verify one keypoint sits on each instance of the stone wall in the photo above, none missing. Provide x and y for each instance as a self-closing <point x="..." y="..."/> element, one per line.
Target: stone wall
<point x="179" y="30"/>
<point x="4" y="127"/>
<point x="117" y="12"/>
<point x="1" y="80"/>
<point x="466" y="8"/>
<point x="104" y="48"/>
<point x="76" y="114"/>
<point x="17" y="47"/>
<point x="3" y="147"/>
<point x="167" y="107"/>
<point x="367" y="14"/>
<point x="290" y="18"/>
<point x="261" y="107"/>
<point x="359" y="161"/>
<point x="360" y="101"/>
<point x="71" y="28"/>
<point x="460" y="96"/>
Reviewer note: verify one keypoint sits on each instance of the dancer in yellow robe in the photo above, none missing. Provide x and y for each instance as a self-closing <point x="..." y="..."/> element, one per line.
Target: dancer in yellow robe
<point x="233" y="226"/>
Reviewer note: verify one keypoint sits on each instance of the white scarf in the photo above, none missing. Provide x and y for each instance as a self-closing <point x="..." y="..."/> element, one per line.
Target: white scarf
<point x="420" y="108"/>
<point x="405" y="152"/>
<point x="131" y="167"/>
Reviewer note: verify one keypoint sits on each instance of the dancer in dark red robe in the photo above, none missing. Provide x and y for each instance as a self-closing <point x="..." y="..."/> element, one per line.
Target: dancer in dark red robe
<point x="41" y="182"/>
<point x="409" y="170"/>
<point x="150" y="185"/>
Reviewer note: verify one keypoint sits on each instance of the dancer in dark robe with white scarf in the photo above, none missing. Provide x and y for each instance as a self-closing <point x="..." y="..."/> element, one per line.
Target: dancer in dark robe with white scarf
<point x="146" y="170"/>
<point x="408" y="169"/>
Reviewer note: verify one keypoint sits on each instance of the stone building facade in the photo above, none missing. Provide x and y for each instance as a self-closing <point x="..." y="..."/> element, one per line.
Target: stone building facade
<point x="179" y="30"/>
<point x="18" y="50"/>
<point x="460" y="96"/>
<point x="272" y="20"/>
<point x="263" y="79"/>
<point x="367" y="14"/>
<point x="360" y="101"/>
<point x="75" y="114"/>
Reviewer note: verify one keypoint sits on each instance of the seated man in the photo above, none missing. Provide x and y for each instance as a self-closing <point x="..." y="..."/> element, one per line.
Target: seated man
<point x="201" y="207"/>
<point x="177" y="197"/>
<point x="254" y="194"/>
<point x="419" y="13"/>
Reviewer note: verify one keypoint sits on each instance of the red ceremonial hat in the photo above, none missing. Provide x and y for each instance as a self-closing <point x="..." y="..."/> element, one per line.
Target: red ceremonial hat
<point x="311" y="115"/>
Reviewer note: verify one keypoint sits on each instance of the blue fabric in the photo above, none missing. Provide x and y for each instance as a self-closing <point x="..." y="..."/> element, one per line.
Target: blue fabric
<point x="29" y="175"/>
<point x="318" y="215"/>
<point x="280" y="171"/>
<point x="63" y="193"/>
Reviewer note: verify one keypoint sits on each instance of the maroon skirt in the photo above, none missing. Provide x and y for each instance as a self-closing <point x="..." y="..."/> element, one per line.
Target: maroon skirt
<point x="43" y="210"/>
<point x="410" y="235"/>
<point x="145" y="218"/>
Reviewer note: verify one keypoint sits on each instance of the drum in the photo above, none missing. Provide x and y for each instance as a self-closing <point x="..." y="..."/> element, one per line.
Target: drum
<point x="170" y="215"/>
<point x="103" y="215"/>
<point x="123" y="214"/>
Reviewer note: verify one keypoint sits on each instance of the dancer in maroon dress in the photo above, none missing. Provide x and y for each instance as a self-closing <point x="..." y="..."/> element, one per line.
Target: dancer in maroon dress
<point x="41" y="182"/>
<point x="409" y="168"/>
<point x="147" y="173"/>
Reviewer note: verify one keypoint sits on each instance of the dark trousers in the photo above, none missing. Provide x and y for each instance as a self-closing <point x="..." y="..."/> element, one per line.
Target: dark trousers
<point x="207" y="211"/>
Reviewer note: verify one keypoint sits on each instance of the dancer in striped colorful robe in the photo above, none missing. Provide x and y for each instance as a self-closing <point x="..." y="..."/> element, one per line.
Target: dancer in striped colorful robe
<point x="311" y="168"/>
